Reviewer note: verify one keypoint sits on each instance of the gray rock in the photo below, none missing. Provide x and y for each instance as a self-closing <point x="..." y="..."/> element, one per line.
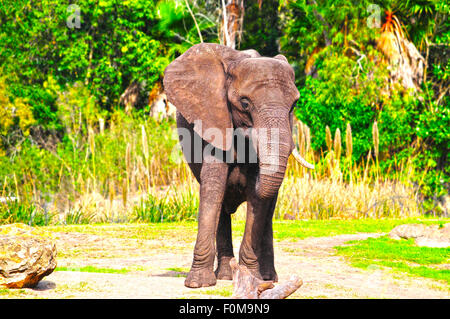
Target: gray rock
<point x="428" y="236"/>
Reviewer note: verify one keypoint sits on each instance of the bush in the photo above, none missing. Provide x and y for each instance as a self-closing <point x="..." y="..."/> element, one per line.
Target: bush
<point x="16" y="118"/>
<point x="114" y="46"/>
<point x="348" y="83"/>
<point x="21" y="212"/>
<point x="183" y="205"/>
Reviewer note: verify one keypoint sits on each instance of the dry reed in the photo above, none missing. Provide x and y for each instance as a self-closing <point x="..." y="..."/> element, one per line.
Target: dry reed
<point x="148" y="166"/>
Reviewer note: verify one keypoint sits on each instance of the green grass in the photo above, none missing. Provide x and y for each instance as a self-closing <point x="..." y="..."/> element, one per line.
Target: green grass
<point x="94" y="269"/>
<point x="223" y="291"/>
<point x="179" y="271"/>
<point x="220" y="291"/>
<point x="179" y="231"/>
<point x="301" y="229"/>
<point x="283" y="229"/>
<point x="22" y="212"/>
<point x="11" y="293"/>
<point x="398" y="255"/>
<point x="181" y="207"/>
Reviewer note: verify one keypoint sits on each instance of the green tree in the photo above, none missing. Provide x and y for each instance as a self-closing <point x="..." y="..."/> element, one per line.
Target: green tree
<point x="115" y="44"/>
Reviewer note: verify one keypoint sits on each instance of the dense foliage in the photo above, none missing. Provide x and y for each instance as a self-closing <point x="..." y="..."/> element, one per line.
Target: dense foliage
<point x="64" y="66"/>
<point x="112" y="44"/>
<point x="332" y="40"/>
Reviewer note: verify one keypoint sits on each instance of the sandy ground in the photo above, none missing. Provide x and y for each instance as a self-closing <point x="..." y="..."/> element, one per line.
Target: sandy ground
<point x="159" y="269"/>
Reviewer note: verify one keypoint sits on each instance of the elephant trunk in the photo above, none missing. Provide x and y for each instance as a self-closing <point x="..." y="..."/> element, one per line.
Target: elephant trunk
<point x="273" y="154"/>
<point x="267" y="185"/>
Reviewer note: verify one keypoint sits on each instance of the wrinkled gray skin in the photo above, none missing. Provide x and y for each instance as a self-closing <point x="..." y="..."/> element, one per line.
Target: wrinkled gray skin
<point x="226" y="88"/>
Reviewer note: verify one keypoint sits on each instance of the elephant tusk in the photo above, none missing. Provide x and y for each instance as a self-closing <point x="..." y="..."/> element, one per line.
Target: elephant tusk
<point x="301" y="160"/>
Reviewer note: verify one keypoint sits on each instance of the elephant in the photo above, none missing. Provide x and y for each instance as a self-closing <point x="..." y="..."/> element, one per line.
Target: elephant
<point x="236" y="95"/>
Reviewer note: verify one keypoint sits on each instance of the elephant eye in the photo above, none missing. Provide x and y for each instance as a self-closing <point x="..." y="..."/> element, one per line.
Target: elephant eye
<point x="245" y="103"/>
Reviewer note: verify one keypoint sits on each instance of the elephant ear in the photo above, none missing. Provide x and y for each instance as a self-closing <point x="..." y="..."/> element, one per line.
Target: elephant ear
<point x="196" y="84"/>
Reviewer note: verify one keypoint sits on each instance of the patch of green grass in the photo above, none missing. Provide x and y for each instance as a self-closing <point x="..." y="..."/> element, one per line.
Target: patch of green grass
<point x="178" y="231"/>
<point x="283" y="229"/>
<point x="218" y="291"/>
<point x="401" y="255"/>
<point x="301" y="229"/>
<point x="178" y="269"/>
<point x="11" y="293"/>
<point x="73" y="289"/>
<point x="179" y="272"/>
<point x="94" y="269"/>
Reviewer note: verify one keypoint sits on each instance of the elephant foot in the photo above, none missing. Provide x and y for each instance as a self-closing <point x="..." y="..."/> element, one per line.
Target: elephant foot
<point x="223" y="271"/>
<point x="270" y="276"/>
<point x="268" y="272"/>
<point x="198" y="278"/>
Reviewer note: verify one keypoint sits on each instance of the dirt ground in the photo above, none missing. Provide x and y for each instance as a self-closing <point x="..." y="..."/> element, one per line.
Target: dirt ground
<point x="157" y="269"/>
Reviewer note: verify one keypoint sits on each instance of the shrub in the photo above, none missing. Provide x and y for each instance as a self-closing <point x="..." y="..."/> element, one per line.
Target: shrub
<point x="179" y="205"/>
<point x="21" y="212"/>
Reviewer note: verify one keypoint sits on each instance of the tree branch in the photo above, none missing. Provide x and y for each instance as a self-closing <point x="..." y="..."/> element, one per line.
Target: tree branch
<point x="225" y="24"/>
<point x="195" y="21"/>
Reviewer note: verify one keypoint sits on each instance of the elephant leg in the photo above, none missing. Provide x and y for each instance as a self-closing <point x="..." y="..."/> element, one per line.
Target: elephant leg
<point x="224" y="246"/>
<point x="266" y="257"/>
<point x="213" y="178"/>
<point x="250" y="252"/>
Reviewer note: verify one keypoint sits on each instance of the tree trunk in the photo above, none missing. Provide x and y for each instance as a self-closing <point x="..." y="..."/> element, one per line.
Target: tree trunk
<point x="231" y="22"/>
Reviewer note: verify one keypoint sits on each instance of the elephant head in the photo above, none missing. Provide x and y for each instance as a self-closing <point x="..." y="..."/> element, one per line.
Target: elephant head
<point x="228" y="89"/>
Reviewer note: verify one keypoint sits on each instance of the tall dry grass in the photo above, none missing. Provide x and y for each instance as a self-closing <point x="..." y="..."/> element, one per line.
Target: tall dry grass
<point x="132" y="170"/>
<point x="341" y="188"/>
<point x="105" y="174"/>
